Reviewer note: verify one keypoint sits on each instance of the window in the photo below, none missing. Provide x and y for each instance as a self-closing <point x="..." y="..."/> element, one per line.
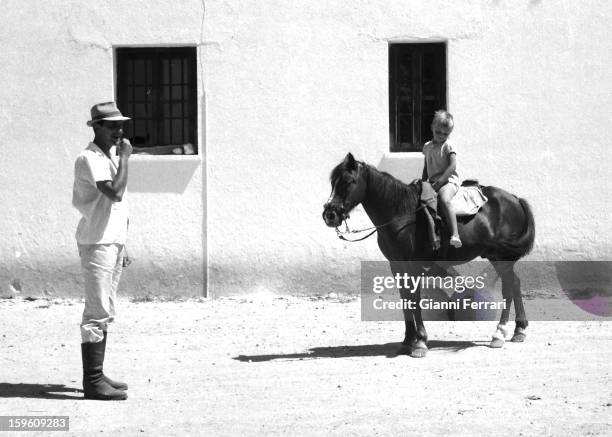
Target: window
<point x="157" y="88"/>
<point x="417" y="88"/>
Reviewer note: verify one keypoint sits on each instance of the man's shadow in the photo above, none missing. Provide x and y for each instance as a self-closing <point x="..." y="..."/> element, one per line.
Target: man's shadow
<point x="38" y="391"/>
<point x="390" y="350"/>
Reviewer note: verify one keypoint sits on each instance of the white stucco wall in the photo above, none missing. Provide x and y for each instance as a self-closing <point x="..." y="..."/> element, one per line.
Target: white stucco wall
<point x="56" y="60"/>
<point x="286" y="89"/>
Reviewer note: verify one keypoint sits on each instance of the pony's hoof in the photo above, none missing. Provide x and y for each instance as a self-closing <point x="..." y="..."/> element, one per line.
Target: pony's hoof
<point x="518" y="337"/>
<point x="419" y="350"/>
<point x="496" y="343"/>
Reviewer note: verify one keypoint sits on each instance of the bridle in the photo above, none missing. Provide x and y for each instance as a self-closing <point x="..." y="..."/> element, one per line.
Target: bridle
<point x="343" y="211"/>
<point x="373" y="229"/>
<point x="345" y="216"/>
<point x="341" y="234"/>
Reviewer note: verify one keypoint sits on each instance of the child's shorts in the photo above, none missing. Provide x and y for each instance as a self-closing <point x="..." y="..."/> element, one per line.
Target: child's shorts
<point x="453" y="184"/>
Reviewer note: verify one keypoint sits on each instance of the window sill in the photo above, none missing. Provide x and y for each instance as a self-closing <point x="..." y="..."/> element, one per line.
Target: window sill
<point x="170" y="158"/>
<point x="405" y="166"/>
<point x="178" y="149"/>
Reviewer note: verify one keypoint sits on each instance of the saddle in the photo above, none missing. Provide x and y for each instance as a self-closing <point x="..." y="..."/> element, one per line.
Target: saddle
<point x="467" y="202"/>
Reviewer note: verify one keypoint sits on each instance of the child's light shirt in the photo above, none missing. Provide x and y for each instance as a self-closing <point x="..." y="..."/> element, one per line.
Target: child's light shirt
<point x="437" y="161"/>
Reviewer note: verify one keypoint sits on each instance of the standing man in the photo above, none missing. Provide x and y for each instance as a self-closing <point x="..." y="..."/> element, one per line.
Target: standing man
<point x="99" y="193"/>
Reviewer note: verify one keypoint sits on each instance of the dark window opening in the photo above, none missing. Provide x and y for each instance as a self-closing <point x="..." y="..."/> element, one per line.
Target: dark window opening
<point x="417" y="88"/>
<point x="157" y="88"/>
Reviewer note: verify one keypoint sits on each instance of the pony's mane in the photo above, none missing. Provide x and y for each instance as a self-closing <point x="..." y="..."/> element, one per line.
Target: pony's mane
<point x="403" y="197"/>
<point x="337" y="172"/>
<point x="396" y="194"/>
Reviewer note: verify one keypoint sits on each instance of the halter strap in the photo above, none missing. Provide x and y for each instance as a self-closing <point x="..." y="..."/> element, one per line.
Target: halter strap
<point x="375" y="228"/>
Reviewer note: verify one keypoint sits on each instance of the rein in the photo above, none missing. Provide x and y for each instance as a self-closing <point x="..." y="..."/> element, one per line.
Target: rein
<point x="341" y="234"/>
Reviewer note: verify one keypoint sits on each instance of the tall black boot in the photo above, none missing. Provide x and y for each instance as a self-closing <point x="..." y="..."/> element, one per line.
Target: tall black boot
<point x="114" y="384"/>
<point x="94" y="385"/>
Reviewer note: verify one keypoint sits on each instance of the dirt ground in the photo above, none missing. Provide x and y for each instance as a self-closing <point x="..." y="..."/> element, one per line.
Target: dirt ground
<point x="266" y="365"/>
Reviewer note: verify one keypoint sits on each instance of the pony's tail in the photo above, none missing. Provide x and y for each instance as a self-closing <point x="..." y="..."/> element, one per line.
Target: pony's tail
<point x="524" y="244"/>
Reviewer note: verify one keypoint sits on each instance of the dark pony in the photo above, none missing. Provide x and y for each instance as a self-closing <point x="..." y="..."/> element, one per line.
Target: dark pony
<point x="503" y="231"/>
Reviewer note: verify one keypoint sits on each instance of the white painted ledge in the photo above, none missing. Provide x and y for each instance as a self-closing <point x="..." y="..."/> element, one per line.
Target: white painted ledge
<point x="405" y="166"/>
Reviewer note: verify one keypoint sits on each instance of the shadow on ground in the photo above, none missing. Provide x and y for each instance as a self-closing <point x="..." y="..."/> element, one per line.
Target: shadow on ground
<point x="390" y="350"/>
<point x="39" y="391"/>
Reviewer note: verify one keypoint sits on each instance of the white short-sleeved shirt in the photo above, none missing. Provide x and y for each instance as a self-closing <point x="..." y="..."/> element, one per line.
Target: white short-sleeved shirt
<point x="436" y="159"/>
<point x="104" y="221"/>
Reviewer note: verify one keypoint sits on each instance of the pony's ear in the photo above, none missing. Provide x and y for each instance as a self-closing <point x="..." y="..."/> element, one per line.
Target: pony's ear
<point x="350" y="162"/>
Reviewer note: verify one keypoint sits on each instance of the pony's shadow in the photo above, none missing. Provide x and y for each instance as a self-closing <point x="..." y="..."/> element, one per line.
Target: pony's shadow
<point x="38" y="391"/>
<point x="390" y="350"/>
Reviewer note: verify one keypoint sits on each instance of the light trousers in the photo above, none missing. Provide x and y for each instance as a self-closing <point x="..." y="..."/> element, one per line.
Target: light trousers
<point x="102" y="265"/>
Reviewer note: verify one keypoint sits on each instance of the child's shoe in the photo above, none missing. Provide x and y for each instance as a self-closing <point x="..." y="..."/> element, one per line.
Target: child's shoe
<point x="455" y="242"/>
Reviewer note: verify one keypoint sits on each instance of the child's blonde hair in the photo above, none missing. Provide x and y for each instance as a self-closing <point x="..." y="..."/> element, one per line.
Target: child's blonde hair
<point x="443" y="118"/>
